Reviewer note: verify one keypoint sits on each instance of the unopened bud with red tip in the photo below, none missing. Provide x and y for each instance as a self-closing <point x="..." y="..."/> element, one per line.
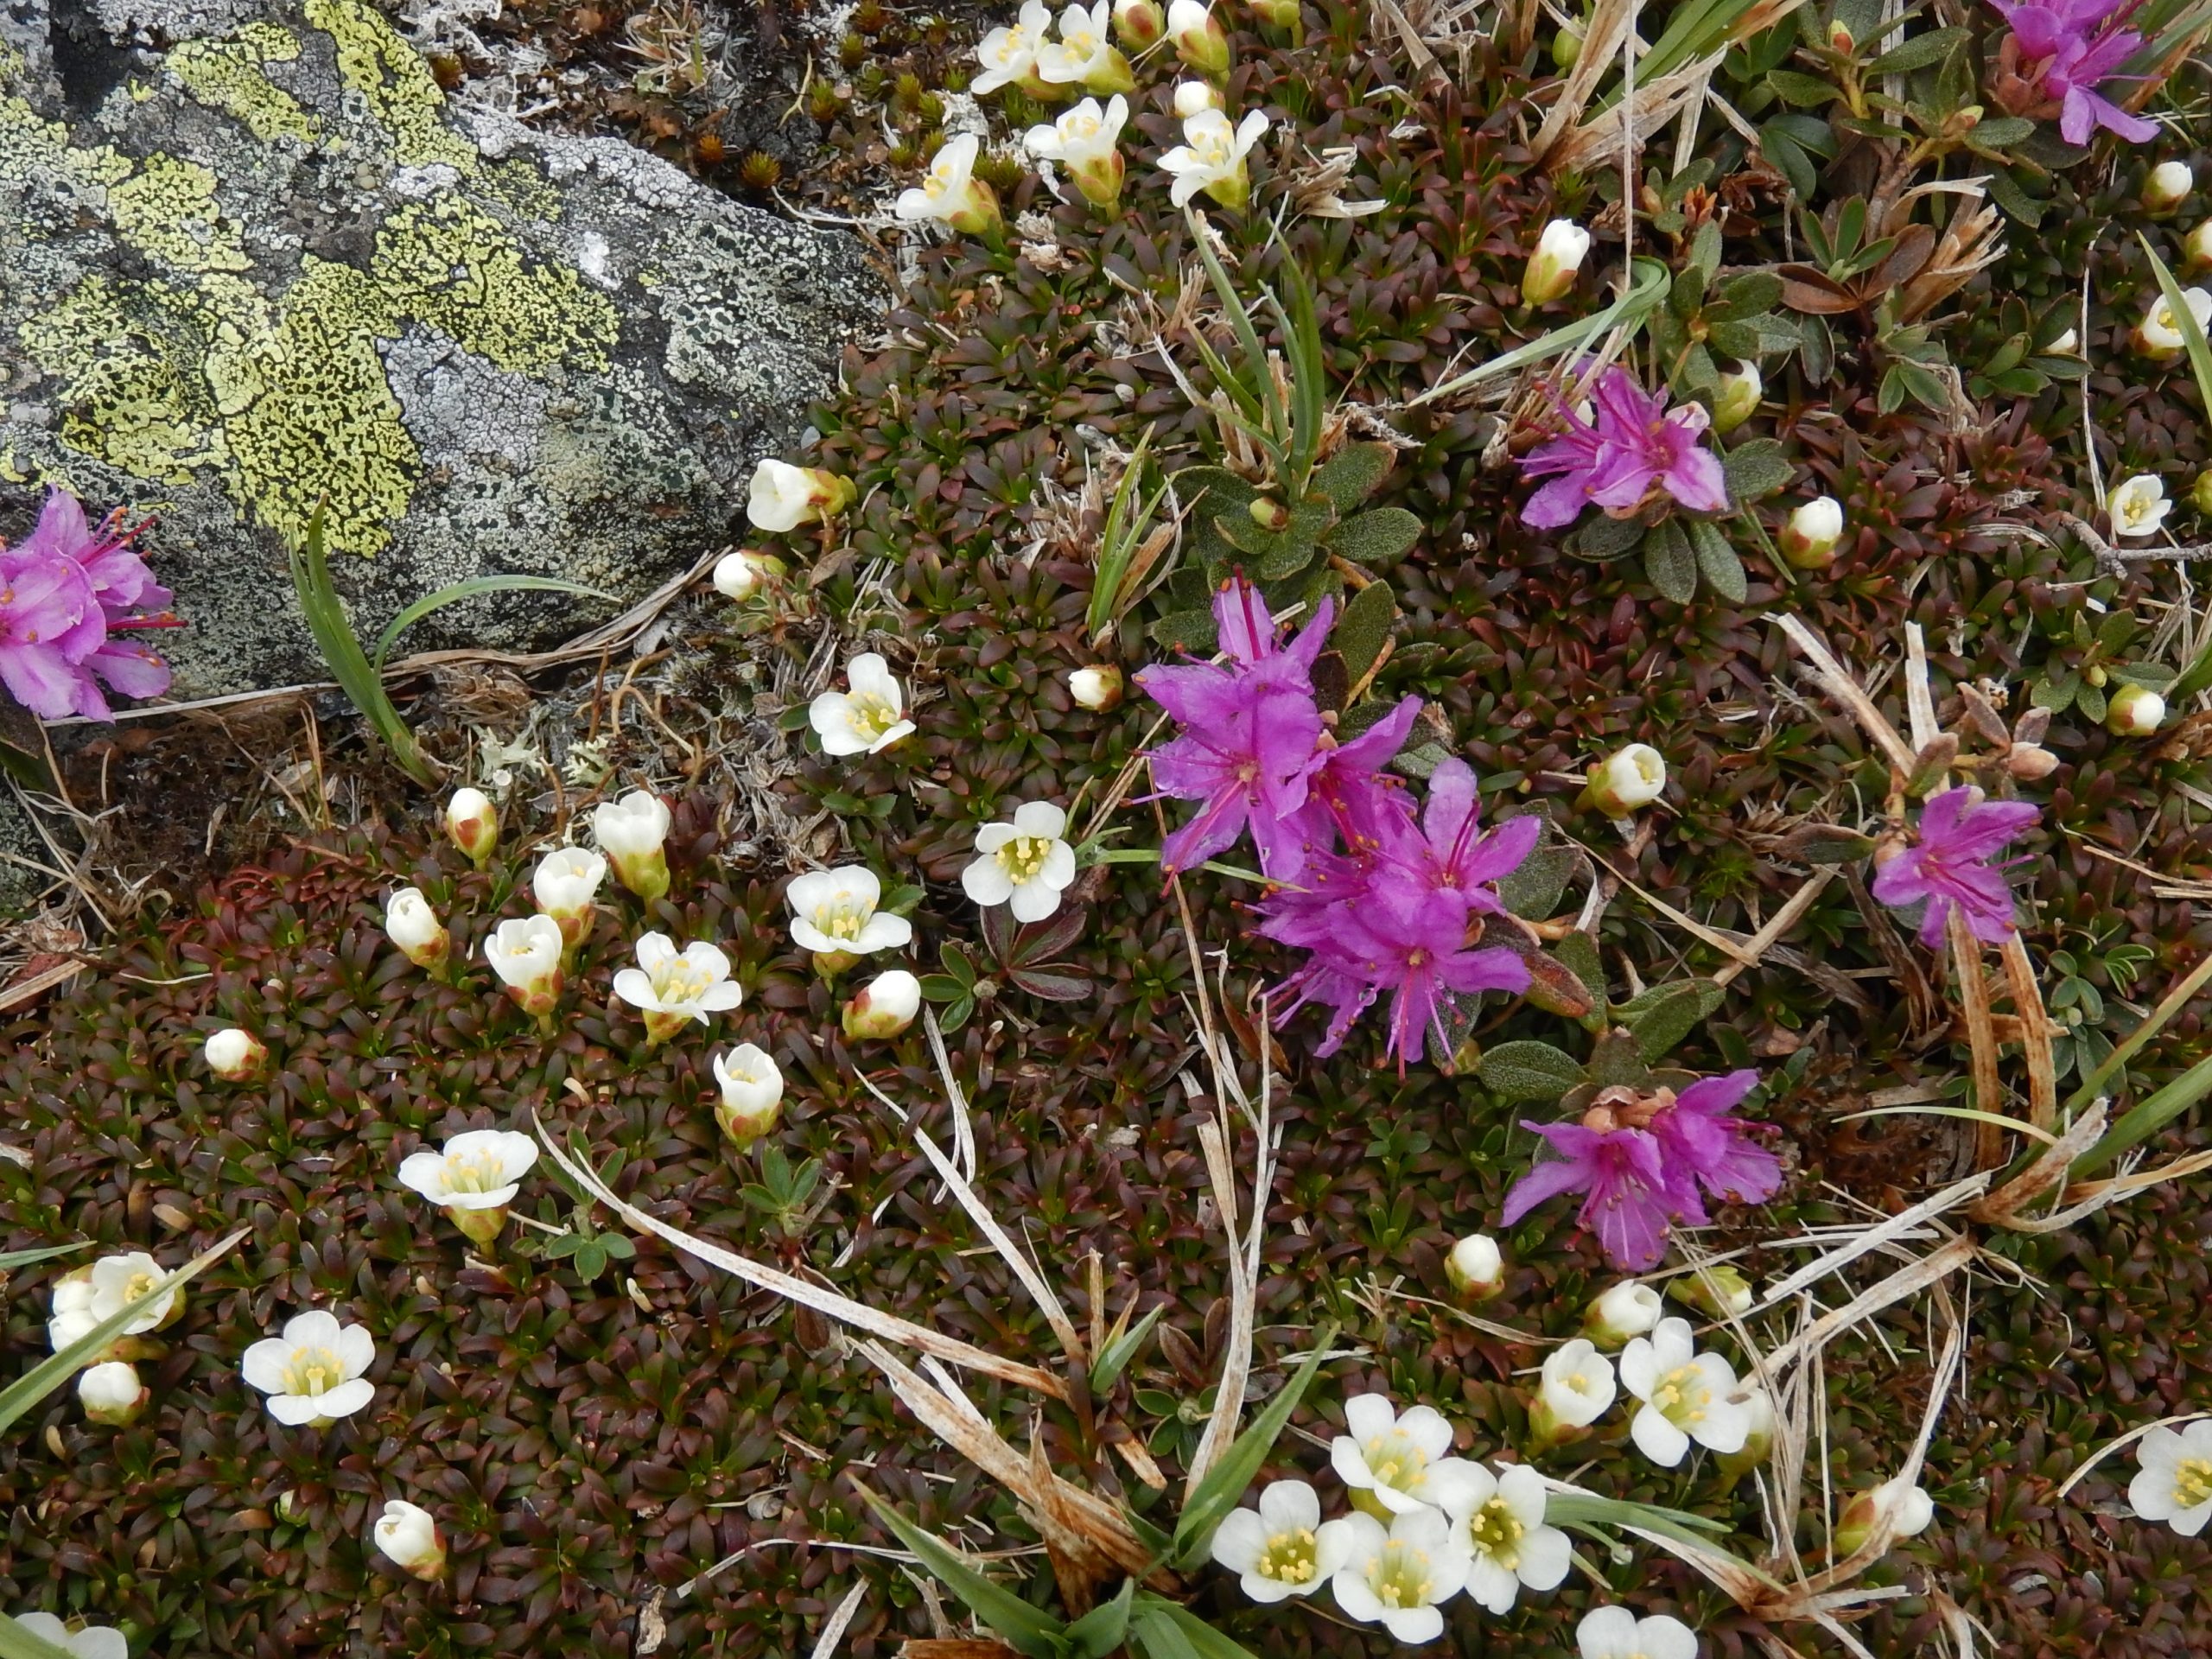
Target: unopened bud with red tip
<point x="234" y="1055"/>
<point x="408" y="1537"/>
<point x="2135" y="711"/>
<point x="1139" y="24"/>
<point x="474" y="823"/>
<point x="1268" y="513"/>
<point x="1840" y="38"/>
<point x="1908" y="1508"/>
<point x="2169" y="183"/>
<point x="1628" y="778"/>
<point x="752" y="1093"/>
<point x="111" y="1394"/>
<point x="884" y="1006"/>
<point x="1098" y="688"/>
<point x="1475" y="1270"/>
<point x="1809" y="539"/>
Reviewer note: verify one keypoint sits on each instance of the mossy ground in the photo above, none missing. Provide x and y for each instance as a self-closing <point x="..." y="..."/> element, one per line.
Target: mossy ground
<point x="593" y="1444"/>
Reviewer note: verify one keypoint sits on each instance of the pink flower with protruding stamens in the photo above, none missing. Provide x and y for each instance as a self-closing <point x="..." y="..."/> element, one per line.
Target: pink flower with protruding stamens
<point x="1634" y="450"/>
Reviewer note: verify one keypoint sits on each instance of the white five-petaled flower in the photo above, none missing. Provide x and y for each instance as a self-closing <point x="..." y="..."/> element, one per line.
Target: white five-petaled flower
<point x="477" y="1169"/>
<point x="1396" y="1578"/>
<point x="1551" y="269"/>
<point x="1282" y="1548"/>
<point x="632" y="833"/>
<point x="1403" y="1461"/>
<point x="1615" y="1633"/>
<point x="1577" y="1383"/>
<point x="408" y="1535"/>
<point x="1023" y="865"/>
<point x="869" y="715"/>
<point x="2174" y="1483"/>
<point x="1009" y="55"/>
<point x="2159" y="334"/>
<point x="834" y="914"/>
<point x="1686" y="1395"/>
<point x="1501" y="1527"/>
<point x="673" y="987"/>
<point x="411" y="924"/>
<point x="1212" y="156"/>
<point x="1085" y="141"/>
<point x="783" y="497"/>
<point x="121" y="1281"/>
<point x="525" y="953"/>
<point x="2138" y="505"/>
<point x="93" y="1642"/>
<point x="950" y="192"/>
<point x="751" y="1085"/>
<point x="312" y="1374"/>
<point x="1085" y="53"/>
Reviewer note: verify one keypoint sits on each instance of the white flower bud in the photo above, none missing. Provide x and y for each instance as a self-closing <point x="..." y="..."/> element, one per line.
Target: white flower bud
<point x="1809" y="540"/>
<point x="783" y="497"/>
<point x="1098" y="688"/>
<point x="2065" y="345"/>
<point x="1199" y="40"/>
<point x="2196" y="250"/>
<point x="752" y="1093"/>
<point x="1909" y="1510"/>
<point x="1626" y="779"/>
<point x="1551" y="269"/>
<point x="1475" y="1267"/>
<point x="412" y="925"/>
<point x="525" y="953"/>
<point x="233" y="1055"/>
<point x="474" y="823"/>
<point x="740" y="575"/>
<point x="631" y="832"/>
<point x="1719" y="1292"/>
<point x="1192" y="96"/>
<point x="408" y="1537"/>
<point x="1629" y="1309"/>
<point x="2159" y="335"/>
<point x="2135" y="711"/>
<point x="885" y="1006"/>
<point x="1578" y="1386"/>
<point x="1737" y="399"/>
<point x="111" y="1394"/>
<point x="1138" y="23"/>
<point x="2169" y="183"/>
<point x="566" y="884"/>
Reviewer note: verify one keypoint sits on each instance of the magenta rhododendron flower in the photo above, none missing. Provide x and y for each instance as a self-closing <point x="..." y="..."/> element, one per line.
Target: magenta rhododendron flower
<point x="1698" y="1139"/>
<point x="65" y="592"/>
<point x="1634" y="450"/>
<point x="2067" y="52"/>
<point x="1947" y="864"/>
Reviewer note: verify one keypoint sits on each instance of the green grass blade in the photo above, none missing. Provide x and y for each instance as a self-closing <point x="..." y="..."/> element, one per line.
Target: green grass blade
<point x="1028" y="1630"/>
<point x="2153" y="1023"/>
<point x="1653" y="279"/>
<point x="16" y="1643"/>
<point x="1240" y="320"/>
<point x="341" y="652"/>
<point x="34" y="1385"/>
<point x="1309" y="402"/>
<point x="1223" y="1489"/>
<point x="1114" y="1359"/>
<point x="469" y="589"/>
<point x="10" y="1259"/>
<point x="2147" y="1117"/>
<point x="2192" y="333"/>
<point x="1165" y="1630"/>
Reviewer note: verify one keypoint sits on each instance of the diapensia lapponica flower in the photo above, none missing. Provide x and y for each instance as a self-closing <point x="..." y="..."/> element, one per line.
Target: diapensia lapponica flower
<point x="1500" y="1525"/>
<point x="473" y="1178"/>
<point x="1575" y="1389"/>
<point x="2173" y="1479"/>
<point x="1397" y="1461"/>
<point x="1686" y="1397"/>
<point x="866" y="718"/>
<point x="1633" y="452"/>
<point x="1396" y="1577"/>
<point x="1640" y="1159"/>
<point x="673" y="988"/>
<point x="67" y="590"/>
<point x="1615" y="1633"/>
<point x="1024" y="865"/>
<point x="951" y="193"/>
<point x="834" y="914"/>
<point x="92" y="1642"/>
<point x="1945" y="864"/>
<point x="408" y="1535"/>
<point x="1282" y="1548"/>
<point x="312" y="1373"/>
<point x="2058" y="60"/>
<point x="1210" y="158"/>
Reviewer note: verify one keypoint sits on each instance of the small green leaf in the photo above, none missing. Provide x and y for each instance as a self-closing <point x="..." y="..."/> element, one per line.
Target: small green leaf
<point x="1664" y="1015"/>
<point x="1379" y="536"/>
<point x="1668" y="563"/>
<point x="1114" y="1356"/>
<point x="1756" y="470"/>
<point x="1364" y="628"/>
<point x="1918" y="53"/>
<point x="1165" y="1630"/>
<point x="1353" y="473"/>
<point x="1103" y="1629"/>
<point x="1605" y="538"/>
<point x="1717" y="562"/>
<point x="1527" y="1070"/>
<point x="1532" y="891"/>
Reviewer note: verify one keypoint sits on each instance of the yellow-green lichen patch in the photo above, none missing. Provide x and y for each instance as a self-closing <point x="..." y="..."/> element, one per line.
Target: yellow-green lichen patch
<point x="228" y="75"/>
<point x="401" y="92"/>
<point x="168" y="210"/>
<point x="459" y="271"/>
<point x="32" y="148"/>
<point x="137" y="398"/>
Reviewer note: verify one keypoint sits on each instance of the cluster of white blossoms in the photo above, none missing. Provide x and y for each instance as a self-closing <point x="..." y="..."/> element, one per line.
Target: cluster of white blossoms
<point x="108" y="1388"/>
<point x="1426" y="1526"/>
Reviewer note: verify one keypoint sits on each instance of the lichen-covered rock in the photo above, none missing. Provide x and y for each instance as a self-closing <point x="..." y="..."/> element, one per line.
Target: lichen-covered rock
<point x="252" y="260"/>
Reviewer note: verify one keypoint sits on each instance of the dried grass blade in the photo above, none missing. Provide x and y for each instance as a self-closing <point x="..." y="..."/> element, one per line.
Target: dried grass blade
<point x="1601" y="42"/>
<point x="1877" y="1236"/>
<point x="1839" y="684"/>
<point x="1981" y="1037"/>
<point x="2035" y="1033"/>
<point x="1777" y="924"/>
<point x="833" y="1630"/>
<point x="1946" y="1259"/>
<point x="2002" y="1208"/>
<point x="1237" y="1362"/>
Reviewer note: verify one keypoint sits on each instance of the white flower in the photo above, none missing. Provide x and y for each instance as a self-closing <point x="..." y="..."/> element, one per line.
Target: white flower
<point x="411" y="924"/>
<point x="313" y="1372"/>
<point x="110" y="1393"/>
<point x="783" y="497"/>
<point x="833" y="912"/>
<point x="408" y="1536"/>
<point x="525" y="953"/>
<point x="1627" y="779"/>
<point x="474" y="823"/>
<point x="72" y="1318"/>
<point x="1551" y="269"/>
<point x="2135" y="711"/>
<point x="1010" y="54"/>
<point x="2168" y="183"/>
<point x="478" y="1169"/>
<point x="121" y="1281"/>
<point x="885" y="1006"/>
<point x="2174" y="1484"/>
<point x="631" y="832"/>
<point x="2195" y="248"/>
<point x="1396" y="1578"/>
<point x="2069" y="342"/>
<point x="1084" y="140"/>
<point x="678" y="985"/>
<point x="93" y="1642"/>
<point x="870" y="715"/>
<point x="1476" y="1267"/>
<point x="2159" y="333"/>
<point x="1686" y="1397"/>
<point x="1615" y="1633"/>
<point x="1212" y="156"/>
<point x="565" y="883"/>
<point x="1085" y="38"/>
<point x="1629" y="1309"/>
<point x="752" y="1091"/>
<point x="1280" y="1549"/>
<point x="1501" y="1527"/>
<point x="233" y="1055"/>
<point x="1192" y="96"/>
<point x="1809" y="538"/>
<point x="1096" y="688"/>
<point x="2137" y="506"/>
<point x="1404" y="1461"/>
<point x="740" y="575"/>
<point x="1024" y="864"/>
<point x="950" y="192"/>
<point x="1577" y="1383"/>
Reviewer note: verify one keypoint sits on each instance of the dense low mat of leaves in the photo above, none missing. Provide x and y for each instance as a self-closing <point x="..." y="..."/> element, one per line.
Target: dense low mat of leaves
<point x="597" y="1431"/>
